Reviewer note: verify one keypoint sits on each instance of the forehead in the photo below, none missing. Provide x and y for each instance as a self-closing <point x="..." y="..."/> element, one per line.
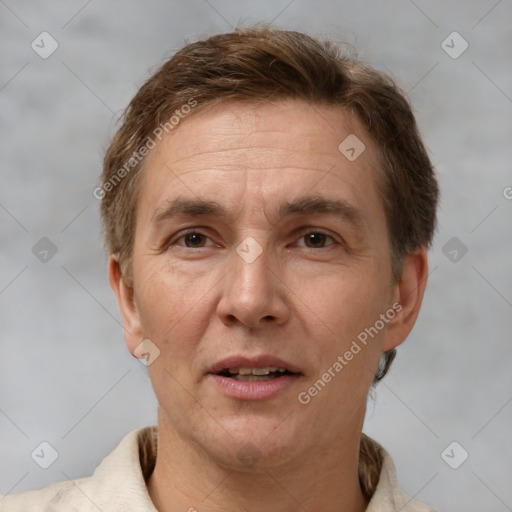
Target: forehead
<point x="290" y="126"/>
<point x="257" y="152"/>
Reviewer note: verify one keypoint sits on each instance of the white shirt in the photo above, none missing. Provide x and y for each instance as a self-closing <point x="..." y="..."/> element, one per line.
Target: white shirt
<point x="118" y="484"/>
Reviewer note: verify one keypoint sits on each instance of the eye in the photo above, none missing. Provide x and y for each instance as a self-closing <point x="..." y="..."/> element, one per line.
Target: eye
<point x="192" y="239"/>
<point x="317" y="240"/>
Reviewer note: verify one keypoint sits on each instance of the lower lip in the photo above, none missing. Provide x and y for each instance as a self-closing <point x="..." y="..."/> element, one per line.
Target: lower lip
<point x="255" y="390"/>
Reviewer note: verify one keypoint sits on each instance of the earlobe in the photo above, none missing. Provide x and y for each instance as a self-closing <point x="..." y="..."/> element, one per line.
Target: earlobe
<point x="127" y="306"/>
<point x="409" y="294"/>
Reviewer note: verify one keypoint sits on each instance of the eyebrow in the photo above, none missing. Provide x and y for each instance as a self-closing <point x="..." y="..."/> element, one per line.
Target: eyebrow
<point x="191" y="207"/>
<point x="306" y="205"/>
<point x="311" y="204"/>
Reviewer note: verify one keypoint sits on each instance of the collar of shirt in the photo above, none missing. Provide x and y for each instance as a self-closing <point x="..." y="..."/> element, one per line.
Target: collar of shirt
<point x="119" y="484"/>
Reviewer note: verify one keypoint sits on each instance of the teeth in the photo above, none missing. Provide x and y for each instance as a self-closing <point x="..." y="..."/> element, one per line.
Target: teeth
<point x="260" y="371"/>
<point x="253" y="378"/>
<point x="255" y="371"/>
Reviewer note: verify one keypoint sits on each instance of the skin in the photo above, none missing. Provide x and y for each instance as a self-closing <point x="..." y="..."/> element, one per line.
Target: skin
<point x="304" y="299"/>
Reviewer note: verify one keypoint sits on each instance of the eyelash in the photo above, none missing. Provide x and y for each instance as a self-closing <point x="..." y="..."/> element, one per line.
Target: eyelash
<point x="302" y="233"/>
<point x="183" y="234"/>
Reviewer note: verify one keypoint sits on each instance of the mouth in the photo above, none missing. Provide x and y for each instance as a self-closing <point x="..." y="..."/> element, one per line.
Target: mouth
<point x="262" y="367"/>
<point x="254" y="374"/>
<point x="253" y="378"/>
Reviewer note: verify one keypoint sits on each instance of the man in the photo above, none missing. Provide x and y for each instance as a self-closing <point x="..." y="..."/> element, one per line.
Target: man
<point x="267" y="206"/>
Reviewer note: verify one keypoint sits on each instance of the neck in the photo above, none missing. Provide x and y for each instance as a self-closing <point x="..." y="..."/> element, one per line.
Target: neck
<point x="184" y="479"/>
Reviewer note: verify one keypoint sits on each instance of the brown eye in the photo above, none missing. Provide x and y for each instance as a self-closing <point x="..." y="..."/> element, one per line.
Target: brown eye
<point x="315" y="240"/>
<point x="194" y="240"/>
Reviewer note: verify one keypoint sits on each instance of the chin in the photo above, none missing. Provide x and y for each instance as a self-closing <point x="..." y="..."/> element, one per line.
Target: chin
<point x="251" y="458"/>
<point x="254" y="446"/>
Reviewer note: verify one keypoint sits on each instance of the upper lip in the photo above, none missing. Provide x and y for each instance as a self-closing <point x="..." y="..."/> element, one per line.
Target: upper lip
<point x="261" y="361"/>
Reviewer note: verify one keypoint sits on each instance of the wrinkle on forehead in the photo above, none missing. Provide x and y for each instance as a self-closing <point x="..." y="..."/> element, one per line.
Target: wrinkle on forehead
<point x="243" y="127"/>
<point x="257" y="159"/>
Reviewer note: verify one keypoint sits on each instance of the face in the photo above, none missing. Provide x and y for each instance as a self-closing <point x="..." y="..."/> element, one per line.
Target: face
<point x="260" y="247"/>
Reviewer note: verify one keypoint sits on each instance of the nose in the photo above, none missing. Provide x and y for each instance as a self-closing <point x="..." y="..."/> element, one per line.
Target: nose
<point x="254" y="294"/>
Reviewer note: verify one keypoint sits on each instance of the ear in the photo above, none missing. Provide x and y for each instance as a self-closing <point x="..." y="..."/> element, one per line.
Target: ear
<point x="409" y="294"/>
<point x="125" y="298"/>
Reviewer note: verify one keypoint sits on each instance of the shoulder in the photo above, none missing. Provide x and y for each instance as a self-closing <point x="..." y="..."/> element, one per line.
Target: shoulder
<point x="56" y="497"/>
<point x="405" y="503"/>
<point x="388" y="497"/>
<point x="117" y="484"/>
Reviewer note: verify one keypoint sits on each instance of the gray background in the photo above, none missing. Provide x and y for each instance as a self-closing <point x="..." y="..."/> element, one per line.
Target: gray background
<point x="65" y="374"/>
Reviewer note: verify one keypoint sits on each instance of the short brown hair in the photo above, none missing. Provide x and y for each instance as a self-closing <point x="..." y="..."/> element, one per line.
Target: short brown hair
<point x="258" y="64"/>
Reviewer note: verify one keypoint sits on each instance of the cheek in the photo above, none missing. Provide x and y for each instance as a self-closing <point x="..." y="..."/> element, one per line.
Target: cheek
<point x="343" y="310"/>
<point x="171" y="304"/>
<point x="173" y="312"/>
<point x="344" y="303"/>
